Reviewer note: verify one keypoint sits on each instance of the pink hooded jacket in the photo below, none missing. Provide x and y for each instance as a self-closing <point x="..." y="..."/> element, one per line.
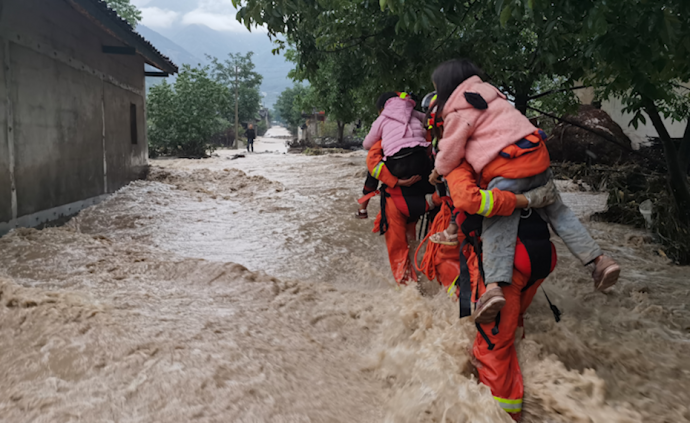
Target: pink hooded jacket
<point x="399" y="126"/>
<point x="478" y="135"/>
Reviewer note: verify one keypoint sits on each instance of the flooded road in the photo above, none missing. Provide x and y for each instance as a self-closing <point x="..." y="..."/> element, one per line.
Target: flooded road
<point x="244" y="290"/>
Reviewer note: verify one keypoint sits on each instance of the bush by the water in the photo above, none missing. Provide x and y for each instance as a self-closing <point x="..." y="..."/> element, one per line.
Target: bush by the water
<point x="629" y="185"/>
<point x="183" y="118"/>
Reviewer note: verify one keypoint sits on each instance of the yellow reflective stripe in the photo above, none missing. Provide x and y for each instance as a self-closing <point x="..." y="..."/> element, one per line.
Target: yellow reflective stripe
<point x="487" y="204"/>
<point x="433" y="98"/>
<point x="452" y="287"/>
<point x="403" y="95"/>
<point x="510" y="406"/>
<point x="376" y="172"/>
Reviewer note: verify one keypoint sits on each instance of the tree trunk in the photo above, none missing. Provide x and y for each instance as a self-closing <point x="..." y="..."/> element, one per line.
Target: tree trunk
<point x="235" y="143"/>
<point x="521" y="102"/>
<point x="677" y="179"/>
<point x="341" y="130"/>
<point x="684" y="150"/>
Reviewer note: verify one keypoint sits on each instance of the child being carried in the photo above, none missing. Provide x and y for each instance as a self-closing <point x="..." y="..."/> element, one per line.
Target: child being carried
<point x="403" y="137"/>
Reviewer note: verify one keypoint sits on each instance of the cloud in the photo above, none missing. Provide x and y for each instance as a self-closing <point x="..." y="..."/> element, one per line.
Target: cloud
<point x="140" y="3"/>
<point x="219" y="22"/>
<point x="154" y="17"/>
<point x="215" y="14"/>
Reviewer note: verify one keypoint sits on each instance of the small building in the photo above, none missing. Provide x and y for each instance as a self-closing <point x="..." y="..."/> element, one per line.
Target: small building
<point x="72" y="107"/>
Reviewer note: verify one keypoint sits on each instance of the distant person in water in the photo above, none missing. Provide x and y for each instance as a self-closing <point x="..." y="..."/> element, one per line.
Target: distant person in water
<point x="251" y="135"/>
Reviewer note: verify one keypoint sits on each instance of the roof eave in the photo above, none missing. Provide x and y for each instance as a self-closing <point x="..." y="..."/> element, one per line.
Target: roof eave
<point x="101" y="15"/>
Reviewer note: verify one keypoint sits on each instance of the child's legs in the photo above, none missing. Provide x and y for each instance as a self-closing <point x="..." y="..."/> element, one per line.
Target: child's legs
<point x="522" y="185"/>
<point x="569" y="228"/>
<point x="499" y="236"/>
<point x="563" y="221"/>
<point x="452" y="228"/>
<point x="499" y="233"/>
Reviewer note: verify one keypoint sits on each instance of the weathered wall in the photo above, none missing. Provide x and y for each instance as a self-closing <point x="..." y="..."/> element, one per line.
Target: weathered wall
<point x="58" y="132"/>
<point x="56" y="25"/>
<point x="125" y="161"/>
<point x="66" y="95"/>
<point x="5" y="193"/>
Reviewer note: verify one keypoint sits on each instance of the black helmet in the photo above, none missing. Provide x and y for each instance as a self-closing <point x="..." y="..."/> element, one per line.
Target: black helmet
<point x="426" y="101"/>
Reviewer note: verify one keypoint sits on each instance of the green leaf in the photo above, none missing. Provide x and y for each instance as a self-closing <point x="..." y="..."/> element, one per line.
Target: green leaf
<point x="505" y="15"/>
<point x="499" y="6"/>
<point x="382" y="4"/>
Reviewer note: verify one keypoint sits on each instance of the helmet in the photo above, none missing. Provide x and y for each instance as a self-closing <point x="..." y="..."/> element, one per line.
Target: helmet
<point x="427" y="100"/>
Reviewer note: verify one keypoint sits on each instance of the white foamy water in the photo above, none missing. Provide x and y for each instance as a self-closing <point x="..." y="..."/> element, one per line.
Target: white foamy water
<point x="244" y="290"/>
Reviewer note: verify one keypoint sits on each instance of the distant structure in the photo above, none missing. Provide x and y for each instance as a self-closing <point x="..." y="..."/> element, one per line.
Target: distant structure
<point x="641" y="135"/>
<point x="72" y="107"/>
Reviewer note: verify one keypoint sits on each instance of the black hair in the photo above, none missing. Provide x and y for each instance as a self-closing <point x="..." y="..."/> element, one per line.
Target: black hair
<point x="448" y="75"/>
<point x="383" y="98"/>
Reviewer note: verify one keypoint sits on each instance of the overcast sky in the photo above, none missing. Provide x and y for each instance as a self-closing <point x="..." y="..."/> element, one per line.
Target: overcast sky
<point x="216" y="14"/>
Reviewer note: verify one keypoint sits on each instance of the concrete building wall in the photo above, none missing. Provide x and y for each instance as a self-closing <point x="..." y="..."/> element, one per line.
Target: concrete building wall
<point x="56" y="25"/>
<point x="5" y="186"/>
<point x="72" y="109"/>
<point x="125" y="161"/>
<point x="640" y="136"/>
<point x="58" y="132"/>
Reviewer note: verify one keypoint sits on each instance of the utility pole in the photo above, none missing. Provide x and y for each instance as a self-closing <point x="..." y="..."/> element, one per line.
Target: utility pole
<point x="237" y="115"/>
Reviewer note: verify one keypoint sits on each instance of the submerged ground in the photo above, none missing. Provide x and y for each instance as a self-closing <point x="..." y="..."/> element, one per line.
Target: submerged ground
<point x="244" y="290"/>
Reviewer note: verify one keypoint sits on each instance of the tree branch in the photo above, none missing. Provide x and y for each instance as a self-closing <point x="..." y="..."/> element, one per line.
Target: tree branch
<point x="545" y="93"/>
<point x="361" y="40"/>
<point x="456" y="26"/>
<point x="684" y="149"/>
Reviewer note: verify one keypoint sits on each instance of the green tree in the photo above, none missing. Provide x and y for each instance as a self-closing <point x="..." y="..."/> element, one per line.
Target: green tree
<point x="238" y="71"/>
<point x="638" y="51"/>
<point x="394" y="44"/>
<point x="126" y="11"/>
<point x="289" y="105"/>
<point x="337" y="89"/>
<point x="183" y="117"/>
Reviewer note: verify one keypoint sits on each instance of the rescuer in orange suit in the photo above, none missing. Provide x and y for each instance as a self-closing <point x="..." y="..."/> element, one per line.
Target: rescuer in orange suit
<point x="402" y="203"/>
<point x="459" y="270"/>
<point x="494" y="348"/>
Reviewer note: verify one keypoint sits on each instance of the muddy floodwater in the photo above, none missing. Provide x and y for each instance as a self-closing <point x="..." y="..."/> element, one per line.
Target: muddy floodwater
<point x="244" y="290"/>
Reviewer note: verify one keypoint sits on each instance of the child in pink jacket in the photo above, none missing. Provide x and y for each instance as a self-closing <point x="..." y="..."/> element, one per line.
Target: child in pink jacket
<point x="403" y="138"/>
<point x="482" y="127"/>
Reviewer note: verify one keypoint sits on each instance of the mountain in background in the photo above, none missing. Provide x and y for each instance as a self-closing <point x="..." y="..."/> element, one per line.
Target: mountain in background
<point x="177" y="54"/>
<point x="178" y="41"/>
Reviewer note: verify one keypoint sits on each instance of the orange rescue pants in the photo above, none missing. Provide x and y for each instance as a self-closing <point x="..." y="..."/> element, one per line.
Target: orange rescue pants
<point x="499" y="368"/>
<point x="398" y="235"/>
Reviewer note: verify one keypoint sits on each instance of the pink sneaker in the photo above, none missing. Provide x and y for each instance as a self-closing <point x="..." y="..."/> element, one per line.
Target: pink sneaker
<point x="606" y="272"/>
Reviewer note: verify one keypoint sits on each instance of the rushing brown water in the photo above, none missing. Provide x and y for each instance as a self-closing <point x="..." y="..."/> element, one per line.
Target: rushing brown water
<point x="244" y="290"/>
